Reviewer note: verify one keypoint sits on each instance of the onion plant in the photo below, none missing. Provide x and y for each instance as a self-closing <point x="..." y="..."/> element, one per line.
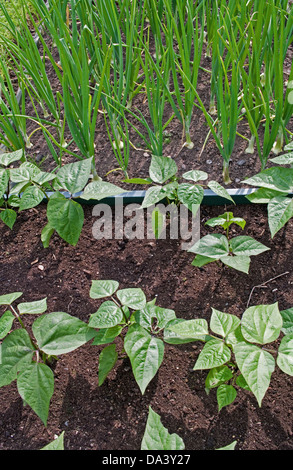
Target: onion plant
<point x="13" y="130"/>
<point x="263" y="95"/>
<point x="183" y="24"/>
<point x="30" y="68"/>
<point x="119" y="27"/>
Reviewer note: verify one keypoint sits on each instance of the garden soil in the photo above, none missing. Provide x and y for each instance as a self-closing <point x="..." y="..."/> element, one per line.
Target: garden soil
<point x="113" y="416"/>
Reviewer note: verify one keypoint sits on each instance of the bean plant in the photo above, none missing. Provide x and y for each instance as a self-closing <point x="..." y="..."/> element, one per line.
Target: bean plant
<point x="233" y="252"/>
<point x="28" y="352"/>
<point x="138" y="323"/>
<point x="165" y="184"/>
<point x="27" y="186"/>
<point x="27" y="357"/>
<point x="241" y="353"/>
<point x="275" y="188"/>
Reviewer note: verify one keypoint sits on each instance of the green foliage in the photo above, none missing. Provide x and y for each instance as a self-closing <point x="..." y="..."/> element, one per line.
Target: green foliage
<point x="157" y="437"/>
<point x="241" y="353"/>
<point x="275" y="189"/>
<point x="26" y="186"/>
<point x="57" y="444"/>
<point x="137" y="322"/>
<point x="234" y="253"/>
<point x="26" y="356"/>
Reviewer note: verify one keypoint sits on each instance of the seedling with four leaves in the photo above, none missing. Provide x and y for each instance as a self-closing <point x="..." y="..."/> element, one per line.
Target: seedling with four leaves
<point x="233" y="252"/>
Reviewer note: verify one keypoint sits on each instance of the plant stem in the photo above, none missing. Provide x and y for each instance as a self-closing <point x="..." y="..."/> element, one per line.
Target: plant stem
<point x="226" y="174"/>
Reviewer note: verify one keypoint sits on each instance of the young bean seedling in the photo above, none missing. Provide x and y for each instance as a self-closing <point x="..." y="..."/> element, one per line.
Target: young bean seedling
<point x="233" y="252"/>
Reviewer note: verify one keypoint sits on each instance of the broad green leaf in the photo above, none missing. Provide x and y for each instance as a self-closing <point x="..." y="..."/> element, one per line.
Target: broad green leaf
<point x="60" y="333"/>
<point x="107" y="360"/>
<point x="8" y="299"/>
<point x="146" y="316"/>
<point x="108" y="315"/>
<point x="239" y="262"/>
<point x="25" y="173"/>
<point x="57" y="444"/>
<point x="99" y="190"/>
<point x="220" y="191"/>
<point x="287" y="316"/>
<point x="200" y="261"/>
<point x="285" y="355"/>
<point x="8" y="217"/>
<point x="158" y="220"/>
<point x="216" y="221"/>
<point x="256" y="366"/>
<point x="214" y="354"/>
<point x="43" y="177"/>
<point x="35" y="384"/>
<point x="6" y="322"/>
<point x="277" y="178"/>
<point x="46" y="235"/>
<point x="211" y="246"/>
<point x="100" y="289"/>
<point x="247" y="246"/>
<point x="31" y="197"/>
<point x="195" y="175"/>
<point x="262" y="324"/>
<point x="226" y="394"/>
<point x="157" y="437"/>
<point x="218" y="376"/>
<point x="66" y="217"/>
<point x="4" y="179"/>
<point x="223" y="323"/>
<point x="195" y="329"/>
<point x="133" y="298"/>
<point x="286" y="159"/>
<point x="162" y="169"/>
<point x="145" y="353"/>
<point x="263" y="195"/>
<point x="73" y="177"/>
<point x="33" y="308"/>
<point x="17" y="351"/>
<point x="9" y="157"/>
<point x="280" y="211"/>
<point x="107" y="335"/>
<point x="191" y="196"/>
<point x="153" y="195"/>
<point x="171" y="337"/>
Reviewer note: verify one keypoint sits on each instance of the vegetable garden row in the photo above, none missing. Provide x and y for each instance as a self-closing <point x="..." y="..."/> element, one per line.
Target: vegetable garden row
<point x="133" y="69"/>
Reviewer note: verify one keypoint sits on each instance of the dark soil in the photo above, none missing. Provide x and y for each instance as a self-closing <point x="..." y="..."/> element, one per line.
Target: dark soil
<point x="113" y="416"/>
